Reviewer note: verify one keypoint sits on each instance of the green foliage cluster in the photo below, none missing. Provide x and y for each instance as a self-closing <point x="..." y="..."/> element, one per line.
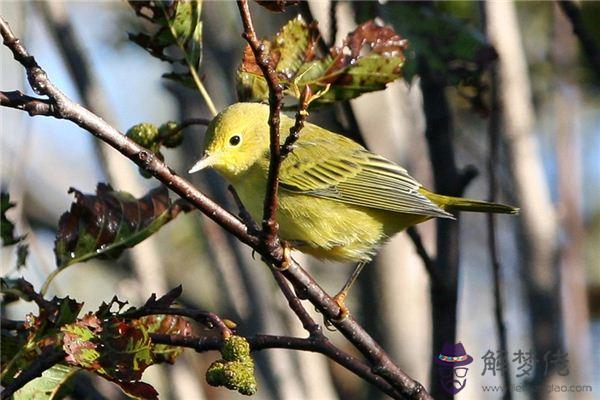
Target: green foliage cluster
<point x="176" y="24"/>
<point x="106" y="342"/>
<point x="235" y="370"/>
<point x="370" y="57"/>
<point x="169" y="134"/>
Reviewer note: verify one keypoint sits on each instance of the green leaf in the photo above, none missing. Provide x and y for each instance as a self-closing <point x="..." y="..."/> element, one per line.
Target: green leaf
<point x="7" y="228"/>
<point x="177" y="25"/>
<point x="105" y="224"/>
<point x="53" y="384"/>
<point x="370" y="57"/>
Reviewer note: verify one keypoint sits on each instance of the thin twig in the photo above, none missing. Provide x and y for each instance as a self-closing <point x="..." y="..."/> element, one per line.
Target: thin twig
<point x="11" y="325"/>
<point x="32" y="105"/>
<point x="428" y="262"/>
<point x="302" y="281"/>
<point x="192" y="68"/>
<point x="288" y="146"/>
<point x="266" y="65"/>
<point x="243" y="212"/>
<point x="296" y="305"/>
<point x="193" y="121"/>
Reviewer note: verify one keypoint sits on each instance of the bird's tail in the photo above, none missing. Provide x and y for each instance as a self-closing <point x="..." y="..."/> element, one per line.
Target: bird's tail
<point x="450" y="203"/>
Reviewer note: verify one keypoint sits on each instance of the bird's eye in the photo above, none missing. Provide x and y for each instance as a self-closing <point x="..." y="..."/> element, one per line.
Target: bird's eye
<point x="235" y="140"/>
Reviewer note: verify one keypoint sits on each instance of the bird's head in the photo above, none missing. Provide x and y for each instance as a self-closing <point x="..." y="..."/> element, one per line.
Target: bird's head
<point x="235" y="140"/>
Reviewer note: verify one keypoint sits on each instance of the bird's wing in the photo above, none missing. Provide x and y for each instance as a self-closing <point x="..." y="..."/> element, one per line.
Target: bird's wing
<point x="330" y="166"/>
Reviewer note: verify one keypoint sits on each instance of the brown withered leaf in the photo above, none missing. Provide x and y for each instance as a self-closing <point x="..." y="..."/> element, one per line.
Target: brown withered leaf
<point x="105" y="224"/>
<point x="168" y="325"/>
<point x="165" y="300"/>
<point x="138" y="390"/>
<point x="115" y="348"/>
<point x="277" y="5"/>
<point x="370" y="57"/>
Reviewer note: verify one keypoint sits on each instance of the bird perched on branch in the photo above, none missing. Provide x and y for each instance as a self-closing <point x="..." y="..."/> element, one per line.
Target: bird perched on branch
<point x="337" y="200"/>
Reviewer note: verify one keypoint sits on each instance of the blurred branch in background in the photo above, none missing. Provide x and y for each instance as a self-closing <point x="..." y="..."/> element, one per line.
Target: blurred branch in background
<point x="572" y="10"/>
<point x="538" y="217"/>
<point x="567" y="110"/>
<point x="499" y="288"/>
<point x="449" y="181"/>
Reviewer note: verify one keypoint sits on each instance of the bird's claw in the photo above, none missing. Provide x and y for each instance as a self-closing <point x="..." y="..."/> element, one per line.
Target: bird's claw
<point x="287" y="257"/>
<point x="344" y="311"/>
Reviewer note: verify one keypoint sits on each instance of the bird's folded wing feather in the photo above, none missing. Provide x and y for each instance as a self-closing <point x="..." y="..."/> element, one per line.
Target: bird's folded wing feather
<point x="333" y="167"/>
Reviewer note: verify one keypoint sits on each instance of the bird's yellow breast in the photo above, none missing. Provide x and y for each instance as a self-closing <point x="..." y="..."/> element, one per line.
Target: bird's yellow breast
<point x="324" y="228"/>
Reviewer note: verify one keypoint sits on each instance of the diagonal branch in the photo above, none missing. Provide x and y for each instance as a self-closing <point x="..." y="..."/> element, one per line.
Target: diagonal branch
<point x="295" y="304"/>
<point x="305" y="285"/>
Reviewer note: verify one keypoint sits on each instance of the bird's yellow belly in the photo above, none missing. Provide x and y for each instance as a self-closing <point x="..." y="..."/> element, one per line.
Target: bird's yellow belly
<point x="329" y="229"/>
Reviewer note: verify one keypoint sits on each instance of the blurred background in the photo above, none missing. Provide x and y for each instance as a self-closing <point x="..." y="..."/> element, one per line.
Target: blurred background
<point x="548" y="164"/>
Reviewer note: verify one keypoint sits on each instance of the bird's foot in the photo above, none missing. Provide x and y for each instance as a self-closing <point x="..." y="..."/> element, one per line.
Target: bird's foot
<point x="344" y="311"/>
<point x="287" y="257"/>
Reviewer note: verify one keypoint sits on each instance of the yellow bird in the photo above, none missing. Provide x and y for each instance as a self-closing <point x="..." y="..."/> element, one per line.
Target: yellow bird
<point x="337" y="200"/>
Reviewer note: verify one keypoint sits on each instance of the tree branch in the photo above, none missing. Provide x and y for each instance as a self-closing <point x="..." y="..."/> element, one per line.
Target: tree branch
<point x="33" y="106"/>
<point x="11" y="325"/>
<point x="306" y="286"/>
<point x="288" y="146"/>
<point x="296" y="305"/>
<point x="266" y="65"/>
<point x="261" y="342"/>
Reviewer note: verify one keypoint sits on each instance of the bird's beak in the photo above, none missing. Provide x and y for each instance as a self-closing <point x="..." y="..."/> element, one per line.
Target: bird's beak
<point x="206" y="161"/>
